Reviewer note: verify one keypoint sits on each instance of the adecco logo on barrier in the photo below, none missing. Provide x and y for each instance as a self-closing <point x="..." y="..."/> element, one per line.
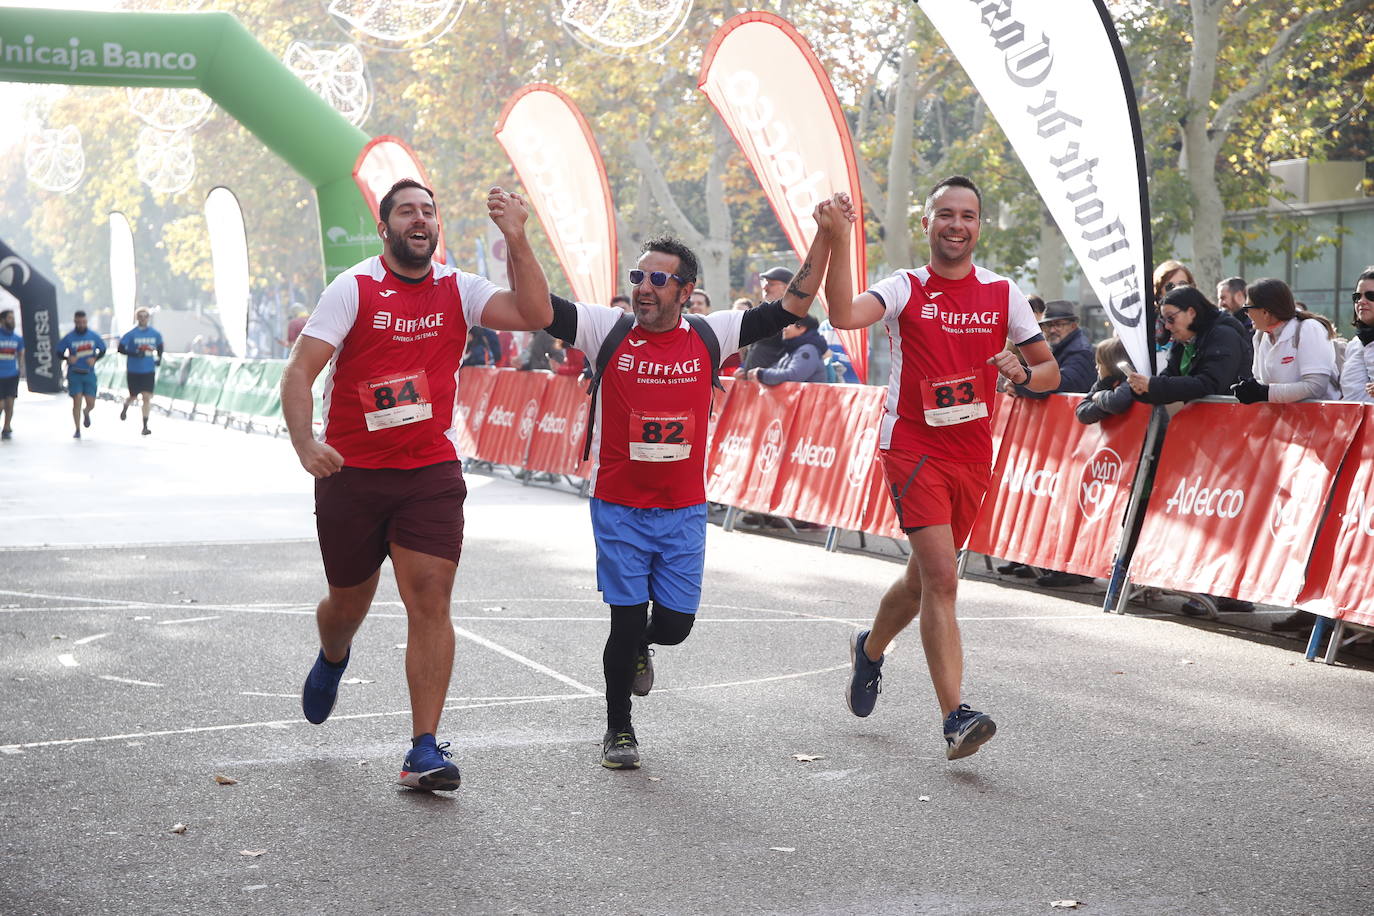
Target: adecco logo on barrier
<point x="527" y="418"/>
<point x="1292" y="514"/>
<point x="1098" y="483"/>
<point x="1204" y="502"/>
<point x="861" y="457"/>
<point x="500" y="416"/>
<point x="551" y="424"/>
<point x="809" y="454"/>
<point x="770" y="449"/>
<point x="1035" y="481"/>
<point x="1358" y="515"/>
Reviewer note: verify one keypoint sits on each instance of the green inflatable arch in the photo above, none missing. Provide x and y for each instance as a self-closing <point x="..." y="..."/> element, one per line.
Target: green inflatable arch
<point x="214" y="53"/>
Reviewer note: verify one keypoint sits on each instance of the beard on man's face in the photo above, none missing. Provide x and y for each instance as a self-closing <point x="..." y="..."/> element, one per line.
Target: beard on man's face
<point x="398" y="244"/>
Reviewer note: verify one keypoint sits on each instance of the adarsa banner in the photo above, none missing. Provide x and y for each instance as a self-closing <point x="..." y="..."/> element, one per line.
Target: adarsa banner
<point x="1053" y="74"/>
<point x="553" y="151"/>
<point x="1060" y="487"/>
<point x="1238" y="495"/>
<point x="772" y="93"/>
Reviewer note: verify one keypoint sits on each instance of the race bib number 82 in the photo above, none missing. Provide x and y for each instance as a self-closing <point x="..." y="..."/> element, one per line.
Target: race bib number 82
<point x="661" y="436"/>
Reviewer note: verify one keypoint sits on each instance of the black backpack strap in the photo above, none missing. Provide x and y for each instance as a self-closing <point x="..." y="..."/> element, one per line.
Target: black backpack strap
<point x="708" y="337"/>
<point x="603" y="359"/>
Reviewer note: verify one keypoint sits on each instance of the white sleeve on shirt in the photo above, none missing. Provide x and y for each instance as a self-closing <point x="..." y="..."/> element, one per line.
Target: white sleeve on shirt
<point x="726" y="324"/>
<point x="337" y="310"/>
<point x="894" y="292"/>
<point x="594" y="322"/>
<point x="476" y="293"/>
<point x="1021" y="323"/>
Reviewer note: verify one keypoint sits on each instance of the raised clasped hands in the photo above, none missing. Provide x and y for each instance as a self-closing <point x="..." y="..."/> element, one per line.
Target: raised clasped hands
<point x="507" y="210"/>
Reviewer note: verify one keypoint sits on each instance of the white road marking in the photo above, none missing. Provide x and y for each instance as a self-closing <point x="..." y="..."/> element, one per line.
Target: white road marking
<point x="128" y="680"/>
<point x="164" y="623"/>
<point x="254" y="693"/>
<point x="528" y="662"/>
<point x="757" y="680"/>
<point x="85" y="639"/>
<point x="68" y="661"/>
<point x="48" y="597"/>
<point x="273" y="723"/>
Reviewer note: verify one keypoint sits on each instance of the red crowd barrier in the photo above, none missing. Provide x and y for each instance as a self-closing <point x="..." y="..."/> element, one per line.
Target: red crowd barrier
<point x="1060" y="488"/>
<point x="1238" y="495"/>
<point x="1236" y="509"/>
<point x="1338" y="575"/>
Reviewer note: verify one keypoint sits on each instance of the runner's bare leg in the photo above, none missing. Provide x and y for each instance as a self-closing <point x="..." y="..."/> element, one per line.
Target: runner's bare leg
<point x="341" y="613"/>
<point x="426" y="586"/>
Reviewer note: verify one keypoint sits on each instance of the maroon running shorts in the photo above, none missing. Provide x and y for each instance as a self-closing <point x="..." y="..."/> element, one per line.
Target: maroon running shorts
<point x="928" y="491"/>
<point x="360" y="512"/>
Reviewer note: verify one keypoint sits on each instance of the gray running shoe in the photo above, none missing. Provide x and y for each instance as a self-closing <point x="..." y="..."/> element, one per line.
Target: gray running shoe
<point x="620" y="750"/>
<point x="644" y="672"/>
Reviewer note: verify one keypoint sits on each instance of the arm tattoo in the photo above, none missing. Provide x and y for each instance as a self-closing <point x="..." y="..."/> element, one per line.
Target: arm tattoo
<point x="794" y="288"/>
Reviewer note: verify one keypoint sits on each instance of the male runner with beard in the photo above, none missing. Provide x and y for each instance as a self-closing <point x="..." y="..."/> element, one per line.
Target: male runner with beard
<point x="389" y="483"/>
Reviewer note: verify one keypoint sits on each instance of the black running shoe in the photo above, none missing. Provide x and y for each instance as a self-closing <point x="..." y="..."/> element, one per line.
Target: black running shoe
<point x="620" y="750"/>
<point x="644" y="672"/>
<point x="966" y="730"/>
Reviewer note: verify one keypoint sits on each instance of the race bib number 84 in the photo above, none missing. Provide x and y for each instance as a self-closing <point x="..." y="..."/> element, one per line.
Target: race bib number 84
<point x="395" y="400"/>
<point x="953" y="399"/>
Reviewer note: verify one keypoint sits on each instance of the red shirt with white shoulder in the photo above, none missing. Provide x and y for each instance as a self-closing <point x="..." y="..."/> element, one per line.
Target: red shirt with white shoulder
<point x="942" y="333"/>
<point x="649" y="432"/>
<point x="392" y="383"/>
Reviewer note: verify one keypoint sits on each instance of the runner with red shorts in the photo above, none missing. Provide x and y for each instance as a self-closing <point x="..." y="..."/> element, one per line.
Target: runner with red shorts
<point x="948" y="324"/>
<point x="388" y="480"/>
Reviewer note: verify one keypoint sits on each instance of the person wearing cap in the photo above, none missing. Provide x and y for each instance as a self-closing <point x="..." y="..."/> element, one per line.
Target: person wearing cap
<point x="765" y="353"/>
<point x="1070" y="347"/>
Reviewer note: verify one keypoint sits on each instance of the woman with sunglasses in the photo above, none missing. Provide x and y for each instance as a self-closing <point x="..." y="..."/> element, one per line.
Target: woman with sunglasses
<point x="1357" y="375"/>
<point x="1208" y="355"/>
<point x="1290" y="363"/>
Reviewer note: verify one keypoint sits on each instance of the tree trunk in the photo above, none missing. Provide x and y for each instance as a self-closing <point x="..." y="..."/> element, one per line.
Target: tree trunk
<point x="1199" y="155"/>
<point x="1049" y="276"/>
<point x="897" y="210"/>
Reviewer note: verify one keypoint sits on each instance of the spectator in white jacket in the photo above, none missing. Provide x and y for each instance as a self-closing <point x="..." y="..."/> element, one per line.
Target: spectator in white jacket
<point x="1357" y="375"/>
<point x="1291" y="364"/>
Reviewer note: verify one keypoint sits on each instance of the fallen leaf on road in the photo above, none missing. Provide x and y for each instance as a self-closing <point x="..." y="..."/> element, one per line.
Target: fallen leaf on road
<point x="252" y="853"/>
<point x="188" y="601"/>
<point x="178" y="828"/>
<point x="923" y="798"/>
<point x="399" y="645"/>
<point x="1065" y="904"/>
<point x="807" y="758"/>
<point x="655" y="779"/>
<point x="354" y="680"/>
<point x="1118" y="672"/>
<point x="1186" y="661"/>
<point x="226" y="780"/>
<point x="493" y="609"/>
<point x="783" y="848"/>
<point x="59" y="636"/>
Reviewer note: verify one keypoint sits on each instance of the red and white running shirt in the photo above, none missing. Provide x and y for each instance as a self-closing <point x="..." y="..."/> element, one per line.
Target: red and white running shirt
<point x="649" y="432"/>
<point x="392" y="386"/>
<point x="942" y="333"/>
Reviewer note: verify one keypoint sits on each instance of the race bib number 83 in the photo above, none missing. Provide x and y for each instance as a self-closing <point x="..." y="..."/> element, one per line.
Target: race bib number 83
<point x="395" y="400"/>
<point x="953" y="399"/>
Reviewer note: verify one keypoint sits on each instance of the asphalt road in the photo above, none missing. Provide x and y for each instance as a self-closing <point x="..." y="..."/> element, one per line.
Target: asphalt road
<point x="1143" y="764"/>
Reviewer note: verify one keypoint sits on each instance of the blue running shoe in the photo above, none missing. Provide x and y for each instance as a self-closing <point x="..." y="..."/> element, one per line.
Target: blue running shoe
<point x="428" y="767"/>
<point x="966" y="730"/>
<point x="866" y="678"/>
<point x="322" y="687"/>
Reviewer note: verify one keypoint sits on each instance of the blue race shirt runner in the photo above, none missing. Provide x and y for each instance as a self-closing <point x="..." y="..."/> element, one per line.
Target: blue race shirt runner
<point x="141" y="346"/>
<point x="87" y="346"/>
<point x="11" y="348"/>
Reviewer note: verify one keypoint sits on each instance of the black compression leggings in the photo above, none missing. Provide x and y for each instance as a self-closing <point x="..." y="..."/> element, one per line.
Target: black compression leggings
<point x="631" y="627"/>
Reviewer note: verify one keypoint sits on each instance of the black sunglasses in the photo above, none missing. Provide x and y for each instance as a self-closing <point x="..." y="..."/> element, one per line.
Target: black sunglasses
<point x="1367" y="294"/>
<point x="656" y="277"/>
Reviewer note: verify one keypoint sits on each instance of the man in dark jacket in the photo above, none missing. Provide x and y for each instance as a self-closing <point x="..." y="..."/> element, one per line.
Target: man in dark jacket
<point x="767" y="352"/>
<point x="803" y="358"/>
<point x="1071" y="349"/>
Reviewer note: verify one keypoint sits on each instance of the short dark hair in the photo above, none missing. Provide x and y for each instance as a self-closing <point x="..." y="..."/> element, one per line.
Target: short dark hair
<point x="1037" y="304"/>
<point x="1233" y="285"/>
<point x="702" y="294"/>
<point x="1273" y="296"/>
<point x="389" y="199"/>
<point x="620" y="297"/>
<point x="810" y="322"/>
<point x="687" y="266"/>
<point x="1189" y="297"/>
<point x="6" y="312"/>
<point x="1367" y="274"/>
<point x="79" y="313"/>
<point x="953" y="181"/>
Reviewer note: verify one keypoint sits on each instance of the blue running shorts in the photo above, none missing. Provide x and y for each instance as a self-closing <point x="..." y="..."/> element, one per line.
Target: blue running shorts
<point x="79" y="383"/>
<point x="650" y="554"/>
